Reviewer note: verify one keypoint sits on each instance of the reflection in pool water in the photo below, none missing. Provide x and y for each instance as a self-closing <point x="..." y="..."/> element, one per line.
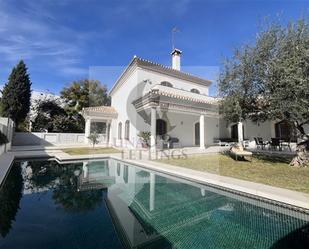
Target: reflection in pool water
<point x="110" y="204"/>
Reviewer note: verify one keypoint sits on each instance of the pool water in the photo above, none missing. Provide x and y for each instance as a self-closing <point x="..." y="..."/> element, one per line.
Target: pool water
<point x="111" y="204"/>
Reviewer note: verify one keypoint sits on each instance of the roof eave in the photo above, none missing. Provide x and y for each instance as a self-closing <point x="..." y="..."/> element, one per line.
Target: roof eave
<point x="136" y="61"/>
<point x="131" y="64"/>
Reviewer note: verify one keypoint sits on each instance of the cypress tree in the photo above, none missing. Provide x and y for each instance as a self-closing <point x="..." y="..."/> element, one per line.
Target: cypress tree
<point x="16" y="94"/>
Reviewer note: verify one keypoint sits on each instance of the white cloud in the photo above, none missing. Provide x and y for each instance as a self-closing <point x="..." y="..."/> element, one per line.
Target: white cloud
<point x="32" y="33"/>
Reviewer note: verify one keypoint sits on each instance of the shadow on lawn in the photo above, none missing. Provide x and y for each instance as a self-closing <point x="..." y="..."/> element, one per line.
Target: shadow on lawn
<point x="273" y="158"/>
<point x="263" y="158"/>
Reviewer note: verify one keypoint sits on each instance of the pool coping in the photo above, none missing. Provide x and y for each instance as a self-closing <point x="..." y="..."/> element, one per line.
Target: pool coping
<point x="296" y="201"/>
<point x="277" y="196"/>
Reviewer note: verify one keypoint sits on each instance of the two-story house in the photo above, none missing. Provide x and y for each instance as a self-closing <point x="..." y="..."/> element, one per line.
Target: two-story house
<point x="162" y="100"/>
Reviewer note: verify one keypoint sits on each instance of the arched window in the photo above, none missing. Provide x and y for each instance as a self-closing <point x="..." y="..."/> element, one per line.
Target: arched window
<point x="166" y="83"/>
<point x="193" y="90"/>
<point x="161" y="127"/>
<point x="127" y="130"/>
<point x="120" y="130"/>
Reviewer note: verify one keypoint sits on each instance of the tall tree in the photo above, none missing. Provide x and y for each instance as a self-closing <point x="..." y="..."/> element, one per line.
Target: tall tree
<point x="270" y="80"/>
<point x="85" y="93"/>
<point x="52" y="117"/>
<point x="16" y="94"/>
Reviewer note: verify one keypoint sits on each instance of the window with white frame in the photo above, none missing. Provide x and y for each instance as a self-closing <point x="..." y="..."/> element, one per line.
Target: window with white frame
<point x="166" y="83"/>
<point x="194" y="90"/>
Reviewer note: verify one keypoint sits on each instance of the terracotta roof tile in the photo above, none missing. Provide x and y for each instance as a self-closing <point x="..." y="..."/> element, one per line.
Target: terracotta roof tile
<point x="101" y="109"/>
<point x="170" y="71"/>
<point x="156" y="67"/>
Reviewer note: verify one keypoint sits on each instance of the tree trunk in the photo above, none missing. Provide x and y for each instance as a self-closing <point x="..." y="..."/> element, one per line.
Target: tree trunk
<point x="302" y="148"/>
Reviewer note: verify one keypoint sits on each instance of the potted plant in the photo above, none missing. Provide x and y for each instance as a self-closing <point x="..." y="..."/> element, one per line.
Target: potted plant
<point x="145" y="138"/>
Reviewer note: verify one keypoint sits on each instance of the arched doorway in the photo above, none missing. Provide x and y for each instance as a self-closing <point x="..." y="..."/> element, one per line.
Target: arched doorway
<point x="197" y="133"/>
<point x="161" y="127"/>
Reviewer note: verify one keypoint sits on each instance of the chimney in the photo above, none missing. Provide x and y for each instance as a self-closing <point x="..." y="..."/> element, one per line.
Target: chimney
<point x="176" y="59"/>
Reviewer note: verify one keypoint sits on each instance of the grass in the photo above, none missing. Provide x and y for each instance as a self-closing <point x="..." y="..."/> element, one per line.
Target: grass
<point x="267" y="170"/>
<point x="87" y="150"/>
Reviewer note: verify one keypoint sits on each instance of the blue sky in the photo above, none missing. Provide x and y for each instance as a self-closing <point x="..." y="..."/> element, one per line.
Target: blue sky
<point x="60" y="40"/>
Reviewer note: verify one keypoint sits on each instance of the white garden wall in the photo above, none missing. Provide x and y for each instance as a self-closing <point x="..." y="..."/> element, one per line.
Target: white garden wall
<point x="51" y="139"/>
<point x="43" y="138"/>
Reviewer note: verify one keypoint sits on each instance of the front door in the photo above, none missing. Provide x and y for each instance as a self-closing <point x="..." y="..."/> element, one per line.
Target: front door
<point x="161" y="127"/>
<point x="197" y="133"/>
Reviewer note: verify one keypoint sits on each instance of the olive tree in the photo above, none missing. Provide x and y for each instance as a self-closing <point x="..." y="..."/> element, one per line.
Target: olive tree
<point x="269" y="80"/>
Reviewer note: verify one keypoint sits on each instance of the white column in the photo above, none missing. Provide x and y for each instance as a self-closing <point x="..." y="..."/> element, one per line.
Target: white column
<point x="240" y="132"/>
<point x="152" y="191"/>
<point x="153" y="128"/>
<point x="87" y="130"/>
<point x="202" y="132"/>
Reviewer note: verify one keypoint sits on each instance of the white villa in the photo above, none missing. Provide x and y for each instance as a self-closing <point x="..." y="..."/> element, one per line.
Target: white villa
<point x="167" y="101"/>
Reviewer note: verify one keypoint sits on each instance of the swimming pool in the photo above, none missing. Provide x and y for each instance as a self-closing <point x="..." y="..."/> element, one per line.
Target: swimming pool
<point x="111" y="204"/>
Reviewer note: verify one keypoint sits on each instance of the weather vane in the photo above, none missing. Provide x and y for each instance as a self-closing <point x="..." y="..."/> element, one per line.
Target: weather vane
<point x="174" y="31"/>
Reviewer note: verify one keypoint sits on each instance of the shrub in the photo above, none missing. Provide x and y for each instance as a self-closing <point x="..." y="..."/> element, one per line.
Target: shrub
<point x="145" y="137"/>
<point x="94" y="138"/>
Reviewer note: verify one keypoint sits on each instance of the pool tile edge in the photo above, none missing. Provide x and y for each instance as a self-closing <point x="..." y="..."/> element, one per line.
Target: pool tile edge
<point x="275" y="194"/>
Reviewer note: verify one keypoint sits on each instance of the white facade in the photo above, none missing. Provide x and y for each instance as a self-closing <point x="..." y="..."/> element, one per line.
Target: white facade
<point x="137" y="82"/>
<point x="147" y="93"/>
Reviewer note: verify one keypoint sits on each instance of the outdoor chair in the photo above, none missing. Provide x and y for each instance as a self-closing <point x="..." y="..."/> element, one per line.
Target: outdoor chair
<point x="286" y="144"/>
<point x="260" y="143"/>
<point x="174" y="142"/>
<point x="275" y="143"/>
<point x="162" y="142"/>
<point x="224" y="141"/>
<point x="246" y="143"/>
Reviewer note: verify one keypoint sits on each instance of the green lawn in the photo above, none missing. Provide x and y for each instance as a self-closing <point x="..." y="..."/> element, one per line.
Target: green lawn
<point x="87" y="150"/>
<point x="266" y="170"/>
